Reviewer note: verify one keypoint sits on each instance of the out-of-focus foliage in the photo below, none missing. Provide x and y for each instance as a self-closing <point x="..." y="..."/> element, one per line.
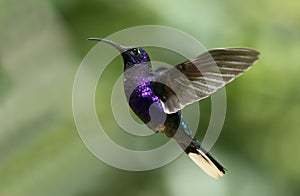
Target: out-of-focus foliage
<point x="42" y="45"/>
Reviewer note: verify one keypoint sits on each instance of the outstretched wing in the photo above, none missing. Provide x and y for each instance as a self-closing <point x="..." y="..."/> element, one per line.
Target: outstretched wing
<point x="198" y="78"/>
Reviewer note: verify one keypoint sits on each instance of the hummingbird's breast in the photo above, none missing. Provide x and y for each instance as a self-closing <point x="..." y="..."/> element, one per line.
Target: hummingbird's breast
<point x="146" y="105"/>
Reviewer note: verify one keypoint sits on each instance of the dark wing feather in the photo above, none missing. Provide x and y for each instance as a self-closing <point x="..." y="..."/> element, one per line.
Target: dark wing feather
<point x="198" y="78"/>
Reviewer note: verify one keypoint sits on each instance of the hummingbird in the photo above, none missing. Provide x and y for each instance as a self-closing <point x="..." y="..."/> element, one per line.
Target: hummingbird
<point x="157" y="97"/>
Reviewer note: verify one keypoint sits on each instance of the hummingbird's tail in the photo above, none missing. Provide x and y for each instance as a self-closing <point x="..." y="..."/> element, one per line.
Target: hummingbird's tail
<point x="199" y="155"/>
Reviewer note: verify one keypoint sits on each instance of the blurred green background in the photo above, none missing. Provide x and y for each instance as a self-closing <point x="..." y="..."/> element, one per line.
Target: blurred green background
<point x="42" y="43"/>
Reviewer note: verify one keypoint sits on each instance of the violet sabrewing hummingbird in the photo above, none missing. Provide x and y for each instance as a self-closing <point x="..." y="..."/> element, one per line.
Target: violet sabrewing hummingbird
<point x="157" y="97"/>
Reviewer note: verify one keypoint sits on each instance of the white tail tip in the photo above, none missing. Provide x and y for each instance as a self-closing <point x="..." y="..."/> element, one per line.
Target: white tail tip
<point x="206" y="164"/>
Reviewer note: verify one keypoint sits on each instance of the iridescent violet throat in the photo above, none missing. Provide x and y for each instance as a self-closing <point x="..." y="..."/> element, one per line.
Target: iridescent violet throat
<point x="157" y="97"/>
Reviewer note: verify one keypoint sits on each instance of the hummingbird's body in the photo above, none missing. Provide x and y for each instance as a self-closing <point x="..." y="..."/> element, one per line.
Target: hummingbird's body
<point x="146" y="103"/>
<point x="157" y="97"/>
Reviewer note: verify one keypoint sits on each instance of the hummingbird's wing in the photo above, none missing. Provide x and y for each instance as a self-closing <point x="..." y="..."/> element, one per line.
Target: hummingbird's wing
<point x="199" y="77"/>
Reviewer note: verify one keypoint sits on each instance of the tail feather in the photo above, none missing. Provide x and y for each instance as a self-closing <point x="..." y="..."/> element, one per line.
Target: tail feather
<point x="184" y="137"/>
<point x="202" y="158"/>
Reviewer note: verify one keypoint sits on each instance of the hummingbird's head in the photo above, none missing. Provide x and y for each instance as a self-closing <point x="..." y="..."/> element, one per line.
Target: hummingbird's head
<point x="131" y="55"/>
<point x="134" y="56"/>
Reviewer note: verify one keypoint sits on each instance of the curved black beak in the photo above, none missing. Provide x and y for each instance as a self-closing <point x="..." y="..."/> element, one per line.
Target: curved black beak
<point x="117" y="46"/>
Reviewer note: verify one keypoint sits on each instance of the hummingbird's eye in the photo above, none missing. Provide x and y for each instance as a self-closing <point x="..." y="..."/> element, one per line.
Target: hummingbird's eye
<point x="136" y="51"/>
